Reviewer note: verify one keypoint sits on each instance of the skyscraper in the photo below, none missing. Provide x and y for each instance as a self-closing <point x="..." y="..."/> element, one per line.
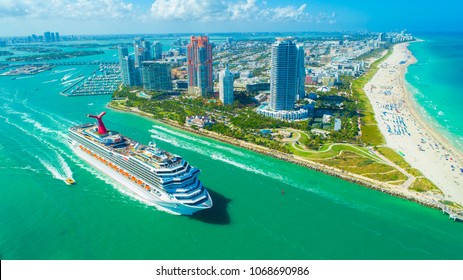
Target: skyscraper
<point x="156" y="49"/>
<point x="46" y="37"/>
<point x="300" y="72"/>
<point x="122" y="52"/>
<point x="146" y="50"/>
<point x="226" y="87"/>
<point x="200" y="66"/>
<point x="156" y="75"/>
<point x="57" y="37"/>
<point x="142" y="50"/>
<point x="129" y="73"/>
<point x="285" y="84"/>
<point x="52" y="34"/>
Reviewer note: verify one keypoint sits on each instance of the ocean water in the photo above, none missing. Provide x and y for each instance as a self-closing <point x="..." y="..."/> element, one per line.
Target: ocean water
<point x="436" y="82"/>
<point x="263" y="208"/>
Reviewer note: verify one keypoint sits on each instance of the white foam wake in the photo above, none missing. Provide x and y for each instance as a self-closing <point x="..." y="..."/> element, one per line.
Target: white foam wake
<point x="64" y="123"/>
<point x="221" y="157"/>
<point x="194" y="139"/>
<point x="54" y="171"/>
<point x="164" y="138"/>
<point x="64" y="70"/>
<point x="64" y="166"/>
<point x="40" y="127"/>
<point x="28" y="167"/>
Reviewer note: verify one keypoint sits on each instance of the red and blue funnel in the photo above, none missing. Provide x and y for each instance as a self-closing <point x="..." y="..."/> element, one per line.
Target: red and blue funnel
<point x="101" y="127"/>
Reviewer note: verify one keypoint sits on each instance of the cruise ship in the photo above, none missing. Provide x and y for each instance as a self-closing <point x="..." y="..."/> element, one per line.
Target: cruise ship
<point x="159" y="177"/>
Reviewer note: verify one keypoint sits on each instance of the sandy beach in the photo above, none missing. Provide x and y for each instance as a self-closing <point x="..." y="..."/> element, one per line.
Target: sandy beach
<point x="405" y="129"/>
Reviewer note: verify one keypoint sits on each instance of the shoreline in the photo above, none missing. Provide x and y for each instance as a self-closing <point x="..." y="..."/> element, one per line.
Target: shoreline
<point x="415" y="110"/>
<point x="405" y="129"/>
<point x="396" y="191"/>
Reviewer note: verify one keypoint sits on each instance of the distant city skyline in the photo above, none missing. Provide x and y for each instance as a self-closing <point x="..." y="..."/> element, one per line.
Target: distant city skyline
<point x="80" y="17"/>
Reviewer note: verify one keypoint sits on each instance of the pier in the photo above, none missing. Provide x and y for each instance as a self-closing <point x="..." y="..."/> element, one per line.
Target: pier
<point x="452" y="215"/>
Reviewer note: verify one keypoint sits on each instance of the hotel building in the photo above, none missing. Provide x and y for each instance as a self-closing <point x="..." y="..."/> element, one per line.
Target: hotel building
<point x="200" y="66"/>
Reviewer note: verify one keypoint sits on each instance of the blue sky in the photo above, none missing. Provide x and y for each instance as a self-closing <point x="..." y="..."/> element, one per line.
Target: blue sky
<point x="25" y="17"/>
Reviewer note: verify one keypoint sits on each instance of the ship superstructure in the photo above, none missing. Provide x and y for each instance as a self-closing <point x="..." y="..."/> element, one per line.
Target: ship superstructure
<point x="162" y="178"/>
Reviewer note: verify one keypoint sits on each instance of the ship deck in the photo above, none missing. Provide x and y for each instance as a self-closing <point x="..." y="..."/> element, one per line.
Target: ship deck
<point x="125" y="146"/>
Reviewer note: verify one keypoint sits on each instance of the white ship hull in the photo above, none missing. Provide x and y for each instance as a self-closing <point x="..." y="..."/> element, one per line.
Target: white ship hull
<point x="161" y="200"/>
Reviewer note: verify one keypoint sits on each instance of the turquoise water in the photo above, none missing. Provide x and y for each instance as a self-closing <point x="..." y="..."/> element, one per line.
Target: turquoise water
<point x="436" y="82"/>
<point x="317" y="216"/>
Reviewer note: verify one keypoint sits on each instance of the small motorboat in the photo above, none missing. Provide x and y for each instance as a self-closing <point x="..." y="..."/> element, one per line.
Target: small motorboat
<point x="69" y="181"/>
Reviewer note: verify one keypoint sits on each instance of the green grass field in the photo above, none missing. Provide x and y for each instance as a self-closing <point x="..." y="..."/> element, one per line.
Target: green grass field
<point x="371" y="135"/>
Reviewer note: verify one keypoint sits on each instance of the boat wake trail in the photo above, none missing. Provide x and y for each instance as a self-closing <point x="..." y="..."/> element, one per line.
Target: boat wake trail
<point x="49" y="156"/>
<point x="64" y="166"/>
<point x="28" y="167"/>
<point x="164" y="137"/>
<point x="62" y="123"/>
<point x="221" y="157"/>
<point x="210" y="152"/>
<point x="64" y="70"/>
<point x="40" y="127"/>
<point x="194" y="139"/>
<point x="57" y="174"/>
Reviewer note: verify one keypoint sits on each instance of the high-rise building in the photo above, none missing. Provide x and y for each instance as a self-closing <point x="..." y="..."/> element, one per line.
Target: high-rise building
<point x="46" y="37"/>
<point x="285" y="68"/>
<point x="156" y="49"/>
<point x="52" y="35"/>
<point x="142" y="51"/>
<point x="200" y="66"/>
<point x="156" y="75"/>
<point x="226" y="86"/>
<point x="129" y="74"/>
<point x="146" y="50"/>
<point x="122" y="52"/>
<point x="57" y="37"/>
<point x="138" y="51"/>
<point x="300" y="72"/>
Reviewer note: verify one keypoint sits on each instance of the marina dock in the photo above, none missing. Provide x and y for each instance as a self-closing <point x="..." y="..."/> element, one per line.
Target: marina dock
<point x="98" y="84"/>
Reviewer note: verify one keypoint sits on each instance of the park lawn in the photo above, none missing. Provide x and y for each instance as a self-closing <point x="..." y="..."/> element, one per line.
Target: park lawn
<point x="388" y="177"/>
<point x="393" y="156"/>
<point x="324" y="153"/>
<point x="425" y="185"/>
<point x="357" y="164"/>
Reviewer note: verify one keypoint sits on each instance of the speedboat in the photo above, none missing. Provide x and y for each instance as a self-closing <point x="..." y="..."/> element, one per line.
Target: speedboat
<point x="69" y="181"/>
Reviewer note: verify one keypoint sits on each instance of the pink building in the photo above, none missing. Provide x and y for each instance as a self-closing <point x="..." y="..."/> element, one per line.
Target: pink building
<point x="200" y="66"/>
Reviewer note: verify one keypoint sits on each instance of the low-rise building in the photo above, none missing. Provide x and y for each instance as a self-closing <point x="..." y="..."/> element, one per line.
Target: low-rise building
<point x="199" y="121"/>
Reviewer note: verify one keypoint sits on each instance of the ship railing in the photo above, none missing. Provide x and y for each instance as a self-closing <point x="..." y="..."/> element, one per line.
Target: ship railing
<point x="184" y="196"/>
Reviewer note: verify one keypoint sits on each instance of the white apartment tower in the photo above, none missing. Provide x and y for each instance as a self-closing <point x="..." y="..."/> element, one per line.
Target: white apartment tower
<point x="226" y="87"/>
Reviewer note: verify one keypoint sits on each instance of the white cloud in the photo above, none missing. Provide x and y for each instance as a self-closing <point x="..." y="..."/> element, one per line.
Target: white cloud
<point x="74" y="9"/>
<point x="227" y="10"/>
<point x="202" y="10"/>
